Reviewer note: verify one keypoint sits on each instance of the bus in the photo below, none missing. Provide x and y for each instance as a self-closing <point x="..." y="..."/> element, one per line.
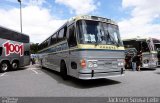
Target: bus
<point x="85" y="47"/>
<point x="14" y="49"/>
<point x="146" y="47"/>
<point x="157" y="46"/>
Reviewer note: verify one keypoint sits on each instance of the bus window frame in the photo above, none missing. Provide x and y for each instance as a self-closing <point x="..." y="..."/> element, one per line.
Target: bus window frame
<point x="63" y="37"/>
<point x="54" y="35"/>
<point x="60" y="36"/>
<point x="68" y="35"/>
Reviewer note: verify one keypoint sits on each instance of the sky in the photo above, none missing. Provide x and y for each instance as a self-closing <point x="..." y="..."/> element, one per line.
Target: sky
<point x="40" y="18"/>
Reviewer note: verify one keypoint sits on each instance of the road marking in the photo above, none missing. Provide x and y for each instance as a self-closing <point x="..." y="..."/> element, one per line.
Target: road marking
<point x="2" y="75"/>
<point x="34" y="71"/>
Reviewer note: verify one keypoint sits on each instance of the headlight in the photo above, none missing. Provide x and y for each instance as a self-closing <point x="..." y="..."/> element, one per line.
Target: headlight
<point x="92" y="63"/>
<point x="120" y="62"/>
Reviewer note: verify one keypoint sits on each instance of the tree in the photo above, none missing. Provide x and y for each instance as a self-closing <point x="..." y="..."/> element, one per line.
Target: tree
<point x="34" y="48"/>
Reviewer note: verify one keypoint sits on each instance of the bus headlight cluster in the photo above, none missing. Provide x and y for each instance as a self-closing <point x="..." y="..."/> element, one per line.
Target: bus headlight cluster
<point x="120" y="62"/>
<point x="92" y="63"/>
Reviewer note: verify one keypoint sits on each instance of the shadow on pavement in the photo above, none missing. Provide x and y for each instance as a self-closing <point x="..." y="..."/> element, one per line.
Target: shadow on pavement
<point x="148" y="69"/>
<point x="158" y="73"/>
<point x="144" y="69"/>
<point x="82" y="84"/>
<point x="24" y="68"/>
<point x="21" y="68"/>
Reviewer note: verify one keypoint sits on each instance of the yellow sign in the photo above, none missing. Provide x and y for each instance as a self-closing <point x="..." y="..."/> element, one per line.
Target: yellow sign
<point x="91" y="46"/>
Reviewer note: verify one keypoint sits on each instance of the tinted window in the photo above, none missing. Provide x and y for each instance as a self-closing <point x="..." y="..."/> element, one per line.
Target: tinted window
<point x="26" y="53"/>
<point x="1" y="51"/>
<point x="48" y="42"/>
<point x="60" y="35"/>
<point x="145" y="47"/>
<point x="72" y="37"/>
<point x="53" y="39"/>
<point x="133" y="44"/>
<point x="57" y="37"/>
<point x="45" y="44"/>
<point x="12" y="35"/>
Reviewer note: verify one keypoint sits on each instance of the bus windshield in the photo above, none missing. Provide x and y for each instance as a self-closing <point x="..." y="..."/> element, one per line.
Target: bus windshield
<point x="95" y="32"/>
<point x="157" y="44"/>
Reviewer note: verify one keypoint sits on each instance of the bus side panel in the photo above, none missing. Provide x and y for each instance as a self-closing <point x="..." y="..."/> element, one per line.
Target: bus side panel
<point x="25" y="59"/>
<point x="74" y="63"/>
<point x="53" y="60"/>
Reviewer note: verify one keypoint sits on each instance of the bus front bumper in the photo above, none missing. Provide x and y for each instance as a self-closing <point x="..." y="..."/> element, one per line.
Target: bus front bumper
<point x="98" y="75"/>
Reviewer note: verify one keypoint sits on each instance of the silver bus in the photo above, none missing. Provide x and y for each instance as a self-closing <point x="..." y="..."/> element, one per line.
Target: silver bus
<point x="147" y="47"/>
<point x="157" y="46"/>
<point x="14" y="50"/>
<point x="85" y="47"/>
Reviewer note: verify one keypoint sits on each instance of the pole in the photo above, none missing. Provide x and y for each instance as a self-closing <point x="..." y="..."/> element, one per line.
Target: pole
<point x="20" y="15"/>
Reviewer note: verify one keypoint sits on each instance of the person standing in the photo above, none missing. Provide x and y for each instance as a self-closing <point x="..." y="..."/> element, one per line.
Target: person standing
<point x="139" y="60"/>
<point x="134" y="59"/>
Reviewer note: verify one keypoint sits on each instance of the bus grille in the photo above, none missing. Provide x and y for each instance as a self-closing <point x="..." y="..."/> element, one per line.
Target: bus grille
<point x="109" y="63"/>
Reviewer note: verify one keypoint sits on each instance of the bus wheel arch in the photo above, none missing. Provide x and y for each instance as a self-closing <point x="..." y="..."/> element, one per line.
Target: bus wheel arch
<point x="4" y="66"/>
<point x="15" y="64"/>
<point x="63" y="70"/>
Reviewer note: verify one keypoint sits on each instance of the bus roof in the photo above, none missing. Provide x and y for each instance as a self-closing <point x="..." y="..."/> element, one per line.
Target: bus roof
<point x="12" y="30"/>
<point x="91" y="17"/>
<point x="138" y="39"/>
<point x="10" y="34"/>
<point x="83" y="17"/>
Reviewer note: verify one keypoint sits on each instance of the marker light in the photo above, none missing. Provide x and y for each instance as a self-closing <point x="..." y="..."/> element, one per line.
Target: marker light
<point x="83" y="63"/>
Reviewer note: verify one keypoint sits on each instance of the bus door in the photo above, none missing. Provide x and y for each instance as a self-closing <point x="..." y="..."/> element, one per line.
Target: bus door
<point x="73" y="54"/>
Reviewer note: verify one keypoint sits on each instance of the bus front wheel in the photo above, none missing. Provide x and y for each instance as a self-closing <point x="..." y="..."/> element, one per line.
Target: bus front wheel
<point x="15" y="65"/>
<point x="63" y="70"/>
<point x="4" y="66"/>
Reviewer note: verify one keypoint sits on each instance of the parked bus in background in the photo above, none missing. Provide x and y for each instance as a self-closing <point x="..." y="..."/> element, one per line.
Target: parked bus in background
<point x="147" y="47"/>
<point x="14" y="50"/>
<point x="85" y="47"/>
<point x="157" y="46"/>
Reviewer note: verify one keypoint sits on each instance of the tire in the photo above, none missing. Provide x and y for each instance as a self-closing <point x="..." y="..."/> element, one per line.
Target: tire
<point x="15" y="65"/>
<point x="63" y="71"/>
<point x="4" y="66"/>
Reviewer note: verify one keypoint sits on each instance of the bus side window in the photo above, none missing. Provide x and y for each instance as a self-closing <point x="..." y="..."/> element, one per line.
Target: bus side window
<point x="48" y="41"/>
<point x="54" y="39"/>
<point x="72" y="36"/>
<point x="1" y="51"/>
<point x="145" y="47"/>
<point x="60" y="35"/>
<point x="26" y="53"/>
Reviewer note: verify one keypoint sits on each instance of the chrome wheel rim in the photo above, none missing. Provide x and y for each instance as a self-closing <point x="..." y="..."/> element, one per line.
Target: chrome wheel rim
<point x="4" y="67"/>
<point x="14" y="65"/>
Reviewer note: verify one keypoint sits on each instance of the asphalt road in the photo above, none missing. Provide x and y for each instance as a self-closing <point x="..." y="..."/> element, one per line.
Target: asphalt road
<point x="33" y="81"/>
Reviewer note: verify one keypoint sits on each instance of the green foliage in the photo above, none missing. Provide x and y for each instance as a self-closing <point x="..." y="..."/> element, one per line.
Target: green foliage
<point x="34" y="48"/>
